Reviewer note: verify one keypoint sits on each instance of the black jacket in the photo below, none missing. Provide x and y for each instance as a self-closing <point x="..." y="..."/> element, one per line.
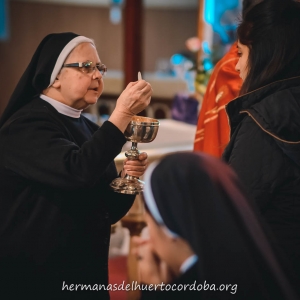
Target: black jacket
<point x="264" y="150"/>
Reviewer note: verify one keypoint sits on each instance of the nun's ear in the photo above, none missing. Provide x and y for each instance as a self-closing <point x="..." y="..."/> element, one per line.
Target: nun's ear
<point x="56" y="83"/>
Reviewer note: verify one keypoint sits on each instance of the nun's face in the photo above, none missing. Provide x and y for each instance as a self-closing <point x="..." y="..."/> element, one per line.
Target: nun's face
<point x="172" y="250"/>
<point x="77" y="88"/>
<point x="158" y="237"/>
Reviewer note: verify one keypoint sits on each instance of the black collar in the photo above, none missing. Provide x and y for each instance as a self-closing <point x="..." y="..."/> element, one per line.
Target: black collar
<point x="246" y="101"/>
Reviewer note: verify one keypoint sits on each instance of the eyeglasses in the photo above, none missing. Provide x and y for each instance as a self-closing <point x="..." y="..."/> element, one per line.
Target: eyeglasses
<point x="87" y="67"/>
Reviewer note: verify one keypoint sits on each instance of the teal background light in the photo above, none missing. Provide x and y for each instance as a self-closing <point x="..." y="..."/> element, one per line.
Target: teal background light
<point x="214" y="10"/>
<point x="209" y="11"/>
<point x="3" y="20"/>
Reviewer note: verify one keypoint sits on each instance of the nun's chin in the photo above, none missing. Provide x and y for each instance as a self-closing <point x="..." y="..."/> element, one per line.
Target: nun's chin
<point x="84" y="103"/>
<point x="92" y="100"/>
<point x="89" y="101"/>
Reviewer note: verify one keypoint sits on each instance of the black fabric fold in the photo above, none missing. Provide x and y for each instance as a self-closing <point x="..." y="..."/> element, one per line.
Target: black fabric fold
<point x="37" y="75"/>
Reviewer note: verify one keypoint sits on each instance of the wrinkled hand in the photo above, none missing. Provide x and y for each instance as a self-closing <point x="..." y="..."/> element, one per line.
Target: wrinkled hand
<point x="151" y="269"/>
<point x="135" y="167"/>
<point x="134" y="98"/>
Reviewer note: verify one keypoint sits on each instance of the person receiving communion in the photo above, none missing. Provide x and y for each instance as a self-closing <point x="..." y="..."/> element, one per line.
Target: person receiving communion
<point x="206" y="240"/>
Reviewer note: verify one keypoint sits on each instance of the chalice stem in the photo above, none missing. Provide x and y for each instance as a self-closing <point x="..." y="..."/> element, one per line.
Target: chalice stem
<point x="134" y="146"/>
<point x="132" y="154"/>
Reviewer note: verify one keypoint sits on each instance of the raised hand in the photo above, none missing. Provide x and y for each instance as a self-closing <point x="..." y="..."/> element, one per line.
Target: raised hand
<point x="135" y="98"/>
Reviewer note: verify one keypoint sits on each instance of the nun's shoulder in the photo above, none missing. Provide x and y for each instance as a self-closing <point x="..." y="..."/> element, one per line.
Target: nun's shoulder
<point x="37" y="106"/>
<point x="35" y="111"/>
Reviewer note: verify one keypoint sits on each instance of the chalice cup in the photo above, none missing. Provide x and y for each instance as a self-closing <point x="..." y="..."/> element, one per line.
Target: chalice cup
<point x="139" y="130"/>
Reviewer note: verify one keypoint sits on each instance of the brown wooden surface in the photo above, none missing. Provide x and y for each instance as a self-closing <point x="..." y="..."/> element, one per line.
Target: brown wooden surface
<point x="201" y="25"/>
<point x="132" y="271"/>
<point x="133" y="26"/>
<point x="135" y="223"/>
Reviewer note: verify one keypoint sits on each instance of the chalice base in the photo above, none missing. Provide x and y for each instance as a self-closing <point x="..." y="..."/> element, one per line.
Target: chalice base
<point x="130" y="185"/>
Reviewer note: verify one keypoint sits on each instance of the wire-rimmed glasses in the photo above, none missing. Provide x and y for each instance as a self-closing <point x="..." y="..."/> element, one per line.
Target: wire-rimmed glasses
<point x="87" y="67"/>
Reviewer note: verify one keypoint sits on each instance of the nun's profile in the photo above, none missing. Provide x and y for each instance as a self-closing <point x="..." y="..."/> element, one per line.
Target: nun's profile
<point x="205" y="240"/>
<point x="56" y="207"/>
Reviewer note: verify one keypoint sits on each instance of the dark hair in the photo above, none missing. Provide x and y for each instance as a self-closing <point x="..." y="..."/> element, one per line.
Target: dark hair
<point x="271" y="31"/>
<point x="248" y="4"/>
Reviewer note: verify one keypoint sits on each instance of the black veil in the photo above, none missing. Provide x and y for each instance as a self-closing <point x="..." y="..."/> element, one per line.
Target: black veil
<point x="37" y="75"/>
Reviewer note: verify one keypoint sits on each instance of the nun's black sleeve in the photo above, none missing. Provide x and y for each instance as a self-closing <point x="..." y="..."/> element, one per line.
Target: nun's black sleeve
<point x="41" y="149"/>
<point x="118" y="205"/>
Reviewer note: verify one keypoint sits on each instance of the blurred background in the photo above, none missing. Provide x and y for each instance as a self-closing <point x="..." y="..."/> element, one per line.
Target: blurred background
<point x="151" y="36"/>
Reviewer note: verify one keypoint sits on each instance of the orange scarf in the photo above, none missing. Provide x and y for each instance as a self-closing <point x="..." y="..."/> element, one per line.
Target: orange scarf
<point x="212" y="133"/>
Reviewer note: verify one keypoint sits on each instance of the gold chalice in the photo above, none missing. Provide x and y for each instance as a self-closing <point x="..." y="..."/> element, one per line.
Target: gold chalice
<point x="139" y="130"/>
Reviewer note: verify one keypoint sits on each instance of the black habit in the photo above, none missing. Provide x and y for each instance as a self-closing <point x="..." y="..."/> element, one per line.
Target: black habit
<point x="56" y="207"/>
